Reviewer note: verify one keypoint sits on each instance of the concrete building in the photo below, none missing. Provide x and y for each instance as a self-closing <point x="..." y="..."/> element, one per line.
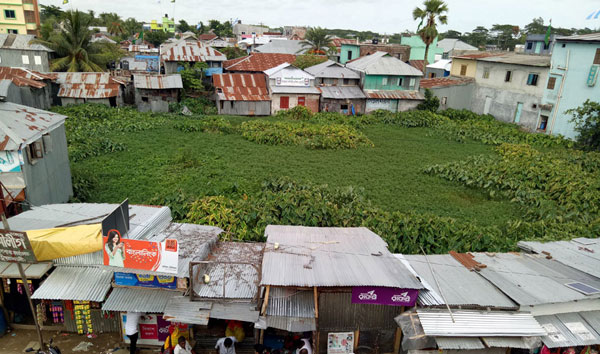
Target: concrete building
<point x="573" y="78"/>
<point x="340" y="88"/>
<point x="76" y="88"/>
<point x="351" y="51"/>
<point x="167" y="25"/>
<point x="242" y="31"/>
<point x="172" y="55"/>
<point x="417" y="49"/>
<point x="466" y="65"/>
<point x="453" y="47"/>
<point x="242" y="94"/>
<point x="18" y="51"/>
<point x="294" y="32"/>
<point x="20" y="17"/>
<point x="440" y="68"/>
<point x="155" y="92"/>
<point x="388" y="82"/>
<point x="453" y="92"/>
<point x="510" y="87"/>
<point x="291" y="87"/>
<point x="34" y="163"/>
<point x="536" y="44"/>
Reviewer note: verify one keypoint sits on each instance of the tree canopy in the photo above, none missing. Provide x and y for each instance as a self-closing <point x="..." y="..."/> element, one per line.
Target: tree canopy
<point x="317" y="41"/>
<point x="432" y="13"/>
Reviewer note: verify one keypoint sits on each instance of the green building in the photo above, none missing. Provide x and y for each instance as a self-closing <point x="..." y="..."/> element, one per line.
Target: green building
<point x="417" y="48"/>
<point x="349" y="52"/>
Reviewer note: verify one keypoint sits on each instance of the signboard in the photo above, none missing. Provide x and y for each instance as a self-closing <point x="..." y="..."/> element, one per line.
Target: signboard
<point x="151" y="61"/>
<point x="292" y="81"/>
<point x="593" y="75"/>
<point x="340" y="343"/>
<point x="145" y="281"/>
<point x="10" y="161"/>
<point x="144" y="255"/>
<point x="384" y="296"/>
<point x="153" y="329"/>
<point x="15" y="247"/>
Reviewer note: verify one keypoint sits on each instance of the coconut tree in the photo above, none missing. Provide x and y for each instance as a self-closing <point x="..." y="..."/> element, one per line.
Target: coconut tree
<point x="433" y="11"/>
<point x="72" y="45"/>
<point x="116" y="28"/>
<point x="317" y="40"/>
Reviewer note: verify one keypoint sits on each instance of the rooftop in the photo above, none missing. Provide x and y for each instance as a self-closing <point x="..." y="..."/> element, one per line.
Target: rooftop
<point x="342" y="92"/>
<point x="333" y="70"/>
<point x="479" y="55"/>
<point x="241" y="87"/>
<point x="87" y="85"/>
<point x="22" y="125"/>
<point x="157" y="82"/>
<point x="258" y="62"/>
<point x="519" y="59"/>
<point x="417" y="64"/>
<point x="445" y="81"/>
<point x="395" y="95"/>
<point x="24" y="77"/>
<point x="282" y="46"/>
<point x="381" y="63"/>
<point x="21" y="42"/>
<point x="592" y="37"/>
<point x="331" y="256"/>
<point x="448" y="44"/>
<point x="207" y="36"/>
<point x="190" y="51"/>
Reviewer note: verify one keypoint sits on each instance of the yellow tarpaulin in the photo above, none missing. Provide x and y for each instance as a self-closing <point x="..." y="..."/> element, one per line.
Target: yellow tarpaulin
<point x="49" y="244"/>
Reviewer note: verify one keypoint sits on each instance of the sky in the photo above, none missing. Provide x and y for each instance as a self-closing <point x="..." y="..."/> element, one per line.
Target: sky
<point x="382" y="16"/>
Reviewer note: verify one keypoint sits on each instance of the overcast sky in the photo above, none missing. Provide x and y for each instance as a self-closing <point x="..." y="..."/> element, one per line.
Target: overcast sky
<point x="383" y="16"/>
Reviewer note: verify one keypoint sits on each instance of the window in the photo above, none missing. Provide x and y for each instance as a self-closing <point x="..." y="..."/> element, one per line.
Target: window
<point x="400" y="81"/>
<point x="35" y="151"/>
<point x="564" y="45"/>
<point x="37" y="60"/>
<point x="25" y="59"/>
<point x="543" y="122"/>
<point x="144" y="99"/>
<point x="222" y="104"/>
<point x="344" y="107"/>
<point x="284" y="102"/>
<point x="349" y="55"/>
<point x="10" y="14"/>
<point x="301" y="101"/>
<point x="508" y="76"/>
<point x="597" y="57"/>
<point x="384" y="81"/>
<point x="12" y="31"/>
<point x="243" y="32"/>
<point x="532" y="79"/>
<point x="346" y="81"/>
<point x="231" y="104"/>
<point x="445" y="55"/>
<point x="412" y="83"/>
<point x="444" y="101"/>
<point x="486" y="73"/>
<point x="529" y="45"/>
<point x="463" y="70"/>
<point x="47" y="143"/>
<point x="546" y="46"/>
<point x="551" y="83"/>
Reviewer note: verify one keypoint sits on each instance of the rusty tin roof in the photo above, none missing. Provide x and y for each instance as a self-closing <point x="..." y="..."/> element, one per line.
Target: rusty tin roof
<point x="157" y="82"/>
<point x="24" y="77"/>
<point x="194" y="51"/>
<point x="395" y="95"/>
<point x="241" y="87"/>
<point x="258" y="62"/>
<point x="23" y="125"/>
<point x="87" y="85"/>
<point x="445" y="81"/>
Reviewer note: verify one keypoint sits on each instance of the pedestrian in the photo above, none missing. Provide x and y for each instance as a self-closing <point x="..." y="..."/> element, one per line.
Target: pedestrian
<point x="304" y="347"/>
<point x="225" y="345"/>
<point x="183" y="347"/>
<point x="131" y="329"/>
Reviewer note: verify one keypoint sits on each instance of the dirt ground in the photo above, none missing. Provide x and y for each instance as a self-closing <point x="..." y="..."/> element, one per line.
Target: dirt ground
<point x="19" y="340"/>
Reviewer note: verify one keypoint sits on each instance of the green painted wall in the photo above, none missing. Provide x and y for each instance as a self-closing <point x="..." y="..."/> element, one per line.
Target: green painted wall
<point x="349" y="48"/>
<point x="375" y="82"/>
<point x="417" y="48"/>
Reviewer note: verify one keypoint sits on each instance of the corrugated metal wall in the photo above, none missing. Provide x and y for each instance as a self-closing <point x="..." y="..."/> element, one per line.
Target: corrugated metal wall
<point x="338" y="313"/>
<point x="245" y="108"/>
<point x="99" y="323"/>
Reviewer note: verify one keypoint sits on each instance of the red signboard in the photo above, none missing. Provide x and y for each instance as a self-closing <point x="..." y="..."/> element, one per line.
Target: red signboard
<point x="143" y="255"/>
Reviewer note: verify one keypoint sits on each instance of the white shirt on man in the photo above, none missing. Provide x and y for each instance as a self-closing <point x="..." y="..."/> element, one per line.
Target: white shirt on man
<point x="132" y="320"/>
<point x="179" y="350"/>
<point x="306" y="346"/>
<point x="223" y="349"/>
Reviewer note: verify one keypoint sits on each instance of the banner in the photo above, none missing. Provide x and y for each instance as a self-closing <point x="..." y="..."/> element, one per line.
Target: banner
<point x="146" y="281"/>
<point x="144" y="255"/>
<point x="384" y="296"/>
<point x="11" y="161"/>
<point x="340" y="343"/>
<point x="15" y="247"/>
<point x="153" y="329"/>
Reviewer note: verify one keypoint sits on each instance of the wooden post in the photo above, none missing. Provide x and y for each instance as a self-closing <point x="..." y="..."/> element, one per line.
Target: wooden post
<point x="397" y="340"/>
<point x="266" y="301"/>
<point x="316" y="295"/>
<point x="356" y="335"/>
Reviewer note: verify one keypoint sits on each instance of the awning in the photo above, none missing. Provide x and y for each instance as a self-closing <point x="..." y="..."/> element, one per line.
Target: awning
<point x="60" y="242"/>
<point x="32" y="271"/>
<point x="459" y="343"/>
<point x="292" y="324"/>
<point x="513" y="342"/>
<point x="181" y="309"/>
<point x="75" y="283"/>
<point x="138" y="300"/>
<point x="570" y="329"/>
<point x="291" y="310"/>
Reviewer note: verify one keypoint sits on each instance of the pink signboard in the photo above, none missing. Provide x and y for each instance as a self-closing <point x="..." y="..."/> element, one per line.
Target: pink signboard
<point x="384" y="296"/>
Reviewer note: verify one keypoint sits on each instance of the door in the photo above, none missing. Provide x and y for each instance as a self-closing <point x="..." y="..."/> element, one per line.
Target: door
<point x="538" y="47"/>
<point x="301" y="101"/>
<point x="284" y="102"/>
<point x="488" y="105"/>
<point x="518" y="112"/>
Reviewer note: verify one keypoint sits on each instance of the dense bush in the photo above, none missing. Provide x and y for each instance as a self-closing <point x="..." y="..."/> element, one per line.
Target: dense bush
<point x="214" y="124"/>
<point x="310" y="135"/>
<point x="199" y="105"/>
<point x="587" y="124"/>
<point x="431" y="103"/>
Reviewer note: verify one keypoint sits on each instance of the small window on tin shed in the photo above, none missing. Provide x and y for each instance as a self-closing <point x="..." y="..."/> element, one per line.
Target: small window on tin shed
<point x="597" y="57"/>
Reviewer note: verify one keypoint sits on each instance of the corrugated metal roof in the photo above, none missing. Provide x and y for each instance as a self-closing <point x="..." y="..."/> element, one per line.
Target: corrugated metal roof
<point x="239" y="311"/>
<point x="567" y="330"/>
<point x="241" y="87"/>
<point x="283" y="46"/>
<point x="24" y="77"/>
<point x="519" y="59"/>
<point x="445" y="81"/>
<point x="291" y="302"/>
<point x="438" y="323"/>
<point x="581" y="254"/>
<point x="20" y="42"/>
<point x="381" y="63"/>
<point x="32" y="271"/>
<point x="342" y="92"/>
<point x="427" y="296"/>
<point x="592" y="37"/>
<point x="475" y="56"/>
<point x="459" y="343"/>
<point x="292" y="324"/>
<point x="190" y="51"/>
<point x="87" y="85"/>
<point x="75" y="283"/>
<point x="231" y="281"/>
<point x="533" y="280"/>
<point x="592" y="318"/>
<point x="417" y="64"/>
<point x="138" y="300"/>
<point x="444" y="64"/>
<point x="331" y="69"/>
<point x="513" y="342"/>
<point x="331" y="256"/>
<point x="157" y="81"/>
<point x="395" y="95"/>
<point x="258" y="62"/>
<point x="181" y="309"/>
<point x="448" y="44"/>
<point x="22" y="125"/>
<point x="460" y="286"/>
<point x="207" y="36"/>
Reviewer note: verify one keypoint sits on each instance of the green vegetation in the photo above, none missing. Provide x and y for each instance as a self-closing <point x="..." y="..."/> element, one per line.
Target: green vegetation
<point x="432" y="13"/>
<point x="587" y="124"/>
<point x="424" y="179"/>
<point x="307" y="60"/>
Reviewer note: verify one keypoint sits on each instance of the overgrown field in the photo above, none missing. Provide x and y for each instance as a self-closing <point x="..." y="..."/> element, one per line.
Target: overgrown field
<point x="447" y="181"/>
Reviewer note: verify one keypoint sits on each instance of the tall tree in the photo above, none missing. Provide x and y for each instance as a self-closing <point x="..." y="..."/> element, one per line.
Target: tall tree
<point x="72" y="45"/>
<point x="132" y="26"/>
<point x="116" y="28"/>
<point x="507" y="36"/>
<point x="478" y="37"/>
<point x="451" y="34"/>
<point x="317" y="40"/>
<point x="50" y="11"/>
<point x="183" y="26"/>
<point x="536" y="26"/>
<point x="433" y="11"/>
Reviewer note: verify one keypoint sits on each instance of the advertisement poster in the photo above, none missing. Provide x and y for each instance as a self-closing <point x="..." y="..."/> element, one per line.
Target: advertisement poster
<point x="10" y="161"/>
<point x="15" y="247"/>
<point x="146" y="281"/>
<point x="340" y="343"/>
<point x="144" y="255"/>
<point x="384" y="296"/>
<point x="292" y="81"/>
<point x="153" y="329"/>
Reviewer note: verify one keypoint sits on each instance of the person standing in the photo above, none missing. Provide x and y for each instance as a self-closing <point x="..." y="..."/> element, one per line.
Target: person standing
<point x="183" y="347"/>
<point x="225" y="345"/>
<point x="131" y="329"/>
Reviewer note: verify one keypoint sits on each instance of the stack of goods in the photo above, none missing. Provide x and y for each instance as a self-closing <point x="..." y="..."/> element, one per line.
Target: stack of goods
<point x="58" y="315"/>
<point x="83" y="316"/>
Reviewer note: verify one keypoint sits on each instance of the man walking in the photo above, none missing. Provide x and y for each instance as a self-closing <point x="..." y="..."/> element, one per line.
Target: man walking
<point x="131" y="329"/>
<point x="225" y="345"/>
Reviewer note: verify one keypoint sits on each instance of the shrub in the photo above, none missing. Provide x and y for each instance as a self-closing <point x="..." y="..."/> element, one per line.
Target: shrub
<point x="296" y="113"/>
<point x="307" y="60"/>
<point x="199" y="105"/>
<point x="587" y="123"/>
<point x="431" y="103"/>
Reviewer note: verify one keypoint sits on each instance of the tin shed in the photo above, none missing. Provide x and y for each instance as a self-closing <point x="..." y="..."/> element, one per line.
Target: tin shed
<point x="155" y="92"/>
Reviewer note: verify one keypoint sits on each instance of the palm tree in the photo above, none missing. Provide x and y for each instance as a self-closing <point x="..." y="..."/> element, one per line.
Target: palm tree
<point x="433" y="11"/>
<point x="72" y="45"/>
<point x="317" y="40"/>
<point x="116" y="28"/>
